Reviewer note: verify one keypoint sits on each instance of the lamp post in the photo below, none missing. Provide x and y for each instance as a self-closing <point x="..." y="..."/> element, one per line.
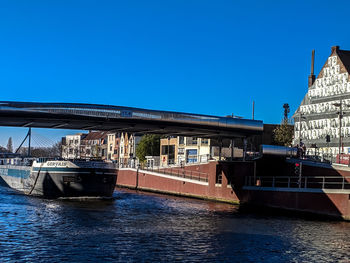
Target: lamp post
<point x="340" y="117"/>
<point x="300" y="117"/>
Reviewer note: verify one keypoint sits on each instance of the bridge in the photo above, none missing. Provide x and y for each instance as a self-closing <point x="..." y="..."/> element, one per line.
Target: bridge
<point x="124" y="119"/>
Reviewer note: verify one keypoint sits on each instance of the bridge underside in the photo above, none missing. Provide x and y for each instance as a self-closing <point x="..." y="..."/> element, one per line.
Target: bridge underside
<point x="123" y="119"/>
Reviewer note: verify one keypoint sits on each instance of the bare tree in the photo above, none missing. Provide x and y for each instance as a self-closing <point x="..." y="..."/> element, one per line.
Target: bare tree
<point x="56" y="149"/>
<point x="3" y="149"/>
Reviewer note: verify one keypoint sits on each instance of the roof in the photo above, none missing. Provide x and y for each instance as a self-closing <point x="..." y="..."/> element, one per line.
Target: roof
<point x="96" y="135"/>
<point x="344" y="56"/>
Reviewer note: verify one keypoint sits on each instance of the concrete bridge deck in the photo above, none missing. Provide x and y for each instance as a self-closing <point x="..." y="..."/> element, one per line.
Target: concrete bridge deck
<point x="123" y="119"/>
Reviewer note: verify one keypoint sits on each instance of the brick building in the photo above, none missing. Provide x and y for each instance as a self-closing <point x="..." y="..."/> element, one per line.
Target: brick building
<point x="71" y="146"/>
<point x="94" y="145"/>
<point x="85" y="146"/>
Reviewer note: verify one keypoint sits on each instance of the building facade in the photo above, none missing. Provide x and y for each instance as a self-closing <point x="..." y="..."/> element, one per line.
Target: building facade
<point x="113" y="142"/>
<point x="127" y="149"/>
<point x="94" y="145"/>
<point x="322" y="121"/>
<point x="115" y="147"/>
<point x="71" y="146"/>
<point x="85" y="146"/>
<point x="182" y="150"/>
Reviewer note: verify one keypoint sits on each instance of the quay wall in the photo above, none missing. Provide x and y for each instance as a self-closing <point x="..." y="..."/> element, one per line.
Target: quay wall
<point x="226" y="183"/>
<point x="330" y="203"/>
<point x="152" y="181"/>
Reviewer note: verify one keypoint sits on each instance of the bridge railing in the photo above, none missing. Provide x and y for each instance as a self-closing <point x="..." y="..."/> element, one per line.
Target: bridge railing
<point x="179" y="172"/>
<point x="315" y="182"/>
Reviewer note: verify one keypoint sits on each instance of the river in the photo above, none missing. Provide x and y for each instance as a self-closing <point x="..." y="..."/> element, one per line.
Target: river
<point x="143" y="227"/>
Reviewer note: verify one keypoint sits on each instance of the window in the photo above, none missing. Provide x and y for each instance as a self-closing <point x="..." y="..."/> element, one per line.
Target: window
<point x="204" y="141"/>
<point x="164" y="149"/>
<point x="194" y="141"/>
<point x="181" y="140"/>
<point x="191" y="141"/>
<point x="192" y="152"/>
<point x="219" y="177"/>
<point x="191" y="155"/>
<point x="168" y="149"/>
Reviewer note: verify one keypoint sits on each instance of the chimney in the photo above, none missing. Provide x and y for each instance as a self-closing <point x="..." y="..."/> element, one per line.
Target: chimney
<point x="335" y="48"/>
<point x="312" y="76"/>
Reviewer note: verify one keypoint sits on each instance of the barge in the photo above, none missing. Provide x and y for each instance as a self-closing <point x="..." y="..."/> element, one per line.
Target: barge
<point x="58" y="178"/>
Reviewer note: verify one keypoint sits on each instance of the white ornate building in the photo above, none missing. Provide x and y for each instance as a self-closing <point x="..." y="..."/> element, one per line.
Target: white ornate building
<point x="326" y="102"/>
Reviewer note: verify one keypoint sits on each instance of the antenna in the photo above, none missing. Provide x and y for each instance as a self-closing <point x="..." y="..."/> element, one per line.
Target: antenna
<point x="312" y="61"/>
<point x="312" y="76"/>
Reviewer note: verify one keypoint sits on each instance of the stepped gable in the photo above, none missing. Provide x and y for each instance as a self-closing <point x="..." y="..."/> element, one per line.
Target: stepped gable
<point x="343" y="61"/>
<point x="317" y="117"/>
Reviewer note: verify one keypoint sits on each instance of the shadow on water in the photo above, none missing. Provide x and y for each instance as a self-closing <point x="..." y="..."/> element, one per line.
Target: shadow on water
<point x="291" y="214"/>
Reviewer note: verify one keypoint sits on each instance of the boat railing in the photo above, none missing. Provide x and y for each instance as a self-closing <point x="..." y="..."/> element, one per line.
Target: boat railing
<point x="45" y="159"/>
<point x="314" y="182"/>
<point x="17" y="167"/>
<point x="95" y="164"/>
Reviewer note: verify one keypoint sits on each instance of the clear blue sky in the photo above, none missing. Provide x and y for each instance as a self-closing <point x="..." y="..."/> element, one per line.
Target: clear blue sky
<point x="208" y="57"/>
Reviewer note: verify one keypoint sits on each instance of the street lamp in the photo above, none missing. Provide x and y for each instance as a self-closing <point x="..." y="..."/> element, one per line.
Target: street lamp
<point x="340" y="117"/>
<point x="300" y="117"/>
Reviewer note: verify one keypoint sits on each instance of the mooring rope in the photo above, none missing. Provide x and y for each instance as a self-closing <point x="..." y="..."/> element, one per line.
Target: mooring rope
<point x="36" y="179"/>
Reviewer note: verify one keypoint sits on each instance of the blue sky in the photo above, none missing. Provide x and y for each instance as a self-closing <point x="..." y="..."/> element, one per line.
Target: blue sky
<point x="207" y="57"/>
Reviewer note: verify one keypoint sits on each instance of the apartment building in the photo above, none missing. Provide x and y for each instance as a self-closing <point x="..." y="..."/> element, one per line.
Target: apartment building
<point x="185" y="150"/>
<point x="71" y="146"/>
<point x="127" y="149"/>
<point x="85" y="146"/>
<point x="113" y="149"/>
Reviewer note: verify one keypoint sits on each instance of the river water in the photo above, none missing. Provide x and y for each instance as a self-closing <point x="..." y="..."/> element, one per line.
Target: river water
<point x="142" y="227"/>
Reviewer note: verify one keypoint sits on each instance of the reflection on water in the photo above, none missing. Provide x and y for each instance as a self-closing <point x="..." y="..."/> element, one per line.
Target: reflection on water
<point x="140" y="227"/>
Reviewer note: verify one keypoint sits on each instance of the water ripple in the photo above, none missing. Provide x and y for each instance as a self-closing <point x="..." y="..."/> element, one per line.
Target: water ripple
<point x="139" y="227"/>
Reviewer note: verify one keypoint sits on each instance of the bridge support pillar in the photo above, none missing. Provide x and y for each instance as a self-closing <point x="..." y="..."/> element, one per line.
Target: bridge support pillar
<point x="232" y="148"/>
<point x="220" y="148"/>
<point x="244" y="148"/>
